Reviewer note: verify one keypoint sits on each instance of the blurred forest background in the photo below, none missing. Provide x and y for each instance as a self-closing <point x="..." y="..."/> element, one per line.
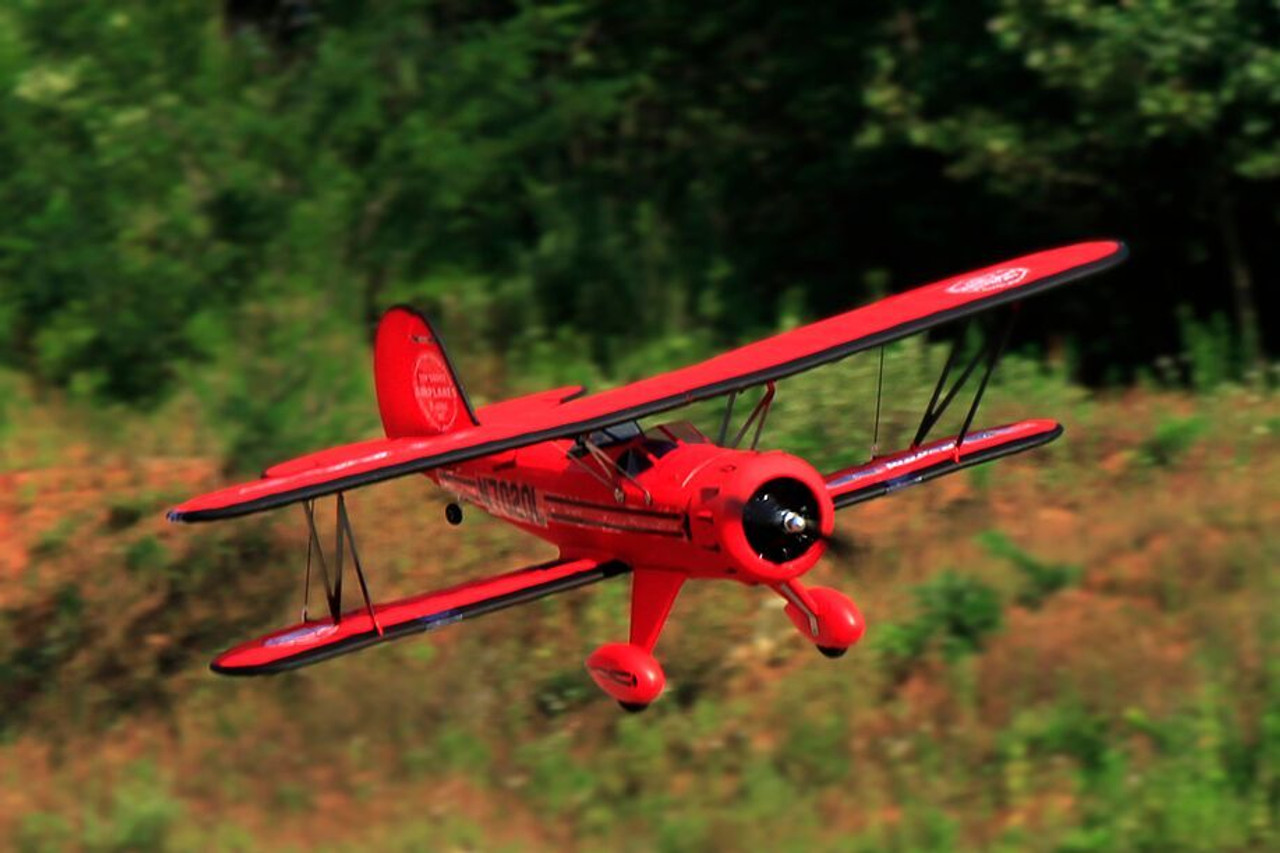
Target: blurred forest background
<point x="207" y="205"/>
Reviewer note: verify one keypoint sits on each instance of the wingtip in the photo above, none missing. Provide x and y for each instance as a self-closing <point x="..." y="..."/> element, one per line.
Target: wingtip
<point x="1115" y="249"/>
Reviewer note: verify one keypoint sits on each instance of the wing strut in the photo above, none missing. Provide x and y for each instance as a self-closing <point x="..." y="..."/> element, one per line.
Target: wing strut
<point x="939" y="402"/>
<point x="875" y="432"/>
<point x="344" y="540"/>
<point x="728" y="416"/>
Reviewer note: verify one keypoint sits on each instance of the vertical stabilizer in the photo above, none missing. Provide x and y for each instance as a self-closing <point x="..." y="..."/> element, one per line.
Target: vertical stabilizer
<point x="418" y="391"/>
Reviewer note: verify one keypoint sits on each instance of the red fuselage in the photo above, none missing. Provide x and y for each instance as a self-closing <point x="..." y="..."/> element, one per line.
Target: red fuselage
<point x="679" y="505"/>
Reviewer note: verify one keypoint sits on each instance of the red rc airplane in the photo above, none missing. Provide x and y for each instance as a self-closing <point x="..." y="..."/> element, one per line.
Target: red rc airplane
<point x="665" y="503"/>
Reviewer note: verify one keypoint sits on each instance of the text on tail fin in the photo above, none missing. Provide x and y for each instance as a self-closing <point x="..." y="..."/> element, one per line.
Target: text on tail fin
<point x="418" y="389"/>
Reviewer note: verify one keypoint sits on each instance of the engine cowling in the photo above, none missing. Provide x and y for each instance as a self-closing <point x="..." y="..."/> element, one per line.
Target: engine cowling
<point x="767" y="513"/>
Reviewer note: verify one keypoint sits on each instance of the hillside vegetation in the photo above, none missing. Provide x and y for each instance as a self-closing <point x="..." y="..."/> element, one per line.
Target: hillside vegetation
<point x="1070" y="650"/>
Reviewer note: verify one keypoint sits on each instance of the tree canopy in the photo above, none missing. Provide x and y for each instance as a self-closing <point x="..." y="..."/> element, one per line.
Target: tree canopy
<point x="172" y="170"/>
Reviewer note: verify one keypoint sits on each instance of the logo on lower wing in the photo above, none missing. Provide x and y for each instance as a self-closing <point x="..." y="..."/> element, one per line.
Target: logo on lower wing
<point x="435" y="391"/>
<point x="436" y="621"/>
<point x="301" y="636"/>
<point x="989" y="282"/>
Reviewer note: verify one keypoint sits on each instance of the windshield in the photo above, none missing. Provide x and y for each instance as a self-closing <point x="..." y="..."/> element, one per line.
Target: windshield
<point x="615" y="434"/>
<point x="681" y="431"/>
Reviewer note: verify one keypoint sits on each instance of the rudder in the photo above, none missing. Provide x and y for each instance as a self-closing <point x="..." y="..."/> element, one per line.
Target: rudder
<point x="418" y="390"/>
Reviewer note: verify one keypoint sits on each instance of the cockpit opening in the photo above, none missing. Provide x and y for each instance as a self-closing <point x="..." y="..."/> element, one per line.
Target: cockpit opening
<point x="635" y="450"/>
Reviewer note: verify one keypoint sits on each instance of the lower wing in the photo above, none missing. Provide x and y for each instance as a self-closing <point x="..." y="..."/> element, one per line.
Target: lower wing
<point x="313" y="641"/>
<point x="887" y="474"/>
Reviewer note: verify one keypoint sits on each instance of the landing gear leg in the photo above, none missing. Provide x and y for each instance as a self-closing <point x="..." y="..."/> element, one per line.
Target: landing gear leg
<point x="628" y="672"/>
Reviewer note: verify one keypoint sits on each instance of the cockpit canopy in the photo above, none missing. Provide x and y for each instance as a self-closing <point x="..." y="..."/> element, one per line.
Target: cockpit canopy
<point x="636" y="449"/>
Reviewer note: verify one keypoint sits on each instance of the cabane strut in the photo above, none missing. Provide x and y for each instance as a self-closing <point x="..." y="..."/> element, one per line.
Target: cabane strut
<point x="757" y="417"/>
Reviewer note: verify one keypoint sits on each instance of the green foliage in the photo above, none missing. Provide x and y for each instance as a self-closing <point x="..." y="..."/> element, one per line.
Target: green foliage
<point x="1211" y="350"/>
<point x="901" y="646"/>
<point x="1040" y="579"/>
<point x="816" y="751"/>
<point x="461" y="750"/>
<point x="1073" y="103"/>
<point x="563" y="691"/>
<point x="42" y="831"/>
<point x="55" y="539"/>
<point x="1067" y="729"/>
<point x="558" y="178"/>
<point x="146" y="556"/>
<point x="123" y="514"/>
<point x="294" y="392"/>
<point x="960" y="611"/>
<point x="34" y="644"/>
<point x="1172" y="438"/>
<point x="143" y="814"/>
<point x="559" y="782"/>
<point x="955" y="613"/>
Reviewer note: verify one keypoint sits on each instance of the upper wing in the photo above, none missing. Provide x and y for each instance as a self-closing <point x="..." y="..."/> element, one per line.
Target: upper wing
<point x="506" y="426"/>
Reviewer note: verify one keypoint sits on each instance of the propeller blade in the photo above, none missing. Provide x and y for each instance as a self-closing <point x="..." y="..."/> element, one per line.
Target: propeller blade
<point x="841" y="545"/>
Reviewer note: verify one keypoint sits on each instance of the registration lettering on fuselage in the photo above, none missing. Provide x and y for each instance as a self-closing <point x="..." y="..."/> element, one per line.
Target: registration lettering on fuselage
<point x="516" y="501"/>
<point x="503" y="498"/>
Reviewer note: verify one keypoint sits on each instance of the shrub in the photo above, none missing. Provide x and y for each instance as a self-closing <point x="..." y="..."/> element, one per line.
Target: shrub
<point x="1172" y="438"/>
<point x="1040" y="579"/>
<point x="956" y="613"/>
<point x="558" y="782"/>
<point x="55" y="539"/>
<point x="34" y="644"/>
<point x="959" y="610"/>
<point x="143" y="813"/>
<point x="1210" y="350"/>
<point x="816" y="752"/>
<point x="458" y="749"/>
<point x="40" y="831"/>
<point x="900" y="647"/>
<point x="146" y="557"/>
<point x="123" y="514"/>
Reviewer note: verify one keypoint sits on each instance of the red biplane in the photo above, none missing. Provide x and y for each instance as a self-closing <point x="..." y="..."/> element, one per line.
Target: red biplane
<point x="664" y="503"/>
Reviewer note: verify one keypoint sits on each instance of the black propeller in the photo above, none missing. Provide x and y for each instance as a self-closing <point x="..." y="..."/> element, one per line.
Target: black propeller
<point x="841" y="545"/>
<point x="781" y="520"/>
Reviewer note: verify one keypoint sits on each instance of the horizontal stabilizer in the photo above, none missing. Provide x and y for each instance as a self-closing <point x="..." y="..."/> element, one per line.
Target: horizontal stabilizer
<point x="317" y="640"/>
<point x="890" y="473"/>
